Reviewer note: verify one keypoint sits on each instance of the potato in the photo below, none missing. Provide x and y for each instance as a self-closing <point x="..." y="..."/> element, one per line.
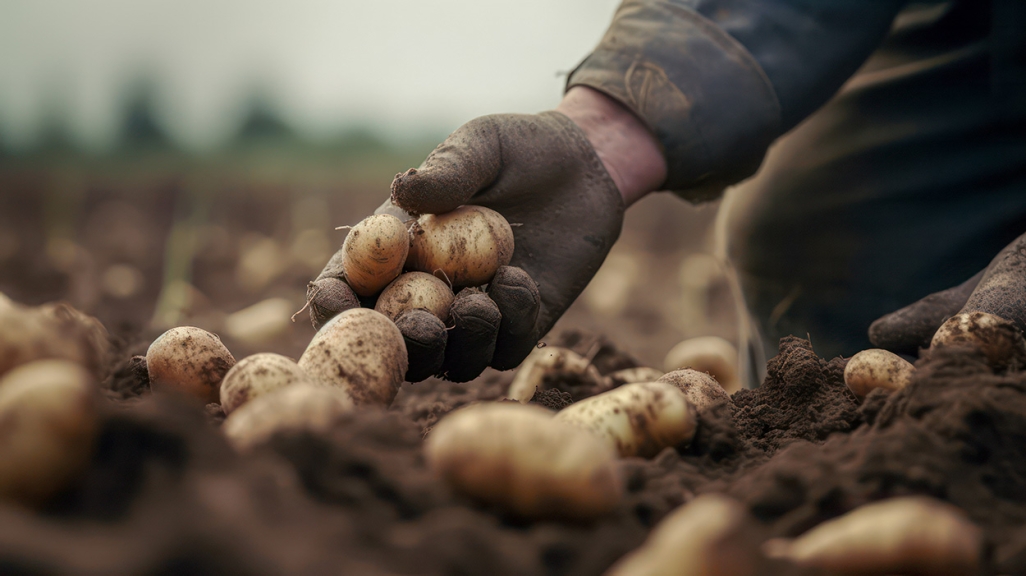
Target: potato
<point x="876" y="368"/>
<point x="711" y="535"/>
<point x="360" y="351"/>
<point x="299" y="407"/>
<point x="415" y="290"/>
<point x="54" y="330"/>
<point x="907" y="535"/>
<point x="467" y="245"/>
<point x="699" y="388"/>
<point x="522" y="460"/>
<point x="998" y="339"/>
<point x="374" y="253"/>
<point x="632" y="375"/>
<point x="710" y="354"/>
<point x="189" y="360"/>
<point x="636" y="419"/>
<point x="257" y="375"/>
<point x="550" y="362"/>
<point x="48" y="414"/>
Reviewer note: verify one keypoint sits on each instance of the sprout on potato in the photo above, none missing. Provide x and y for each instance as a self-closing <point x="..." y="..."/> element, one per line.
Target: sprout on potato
<point x="699" y="388"/>
<point x="374" y="252"/>
<point x="876" y="368"/>
<point x="549" y="363"/>
<point x="412" y="291"/>
<point x="257" y="375"/>
<point x="467" y="245"/>
<point x="636" y="419"/>
<point x="710" y="354"/>
<point x="524" y="461"/>
<point x="189" y="360"/>
<point x="48" y="413"/>
<point x="299" y="407"/>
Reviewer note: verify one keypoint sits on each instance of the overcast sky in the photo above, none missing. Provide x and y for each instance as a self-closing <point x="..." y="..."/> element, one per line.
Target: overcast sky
<point x="407" y="65"/>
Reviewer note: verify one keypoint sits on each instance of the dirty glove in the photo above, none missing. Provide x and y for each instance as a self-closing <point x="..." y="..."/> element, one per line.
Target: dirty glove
<point x="541" y="173"/>
<point x="999" y="289"/>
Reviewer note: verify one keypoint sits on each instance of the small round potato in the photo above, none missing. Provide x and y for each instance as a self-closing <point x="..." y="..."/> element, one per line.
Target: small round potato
<point x="360" y="351"/>
<point x="48" y="414"/>
<point x="701" y="389"/>
<point x="467" y="245"/>
<point x="636" y="419"/>
<point x="710" y="354"/>
<point x="189" y="360"/>
<point x="998" y="339"/>
<point x="876" y="368"/>
<point x="522" y="460"/>
<point x="54" y="330"/>
<point x="299" y="407"/>
<point x="550" y="362"/>
<point x="415" y="290"/>
<point x="257" y="375"/>
<point x="374" y="252"/>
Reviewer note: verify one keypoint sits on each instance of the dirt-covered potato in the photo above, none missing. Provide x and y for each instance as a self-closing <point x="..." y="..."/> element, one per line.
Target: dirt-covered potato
<point x="876" y="368"/>
<point x="299" y="407"/>
<point x="48" y="424"/>
<point x="906" y="535"/>
<point x="414" y="290"/>
<point x="328" y="297"/>
<point x="522" y="460"/>
<point x="360" y="351"/>
<point x="701" y="389"/>
<point x="998" y="339"/>
<point x="54" y="330"/>
<point x="467" y="245"/>
<point x="632" y="375"/>
<point x="374" y="252"/>
<point x="710" y="354"/>
<point x="636" y="419"/>
<point x="189" y="360"/>
<point x="257" y="375"/>
<point x="550" y="363"/>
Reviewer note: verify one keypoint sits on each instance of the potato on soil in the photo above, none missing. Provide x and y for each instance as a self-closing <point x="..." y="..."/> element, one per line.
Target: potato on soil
<point x="522" y="460"/>
<point x="415" y="290"/>
<point x="328" y="297"/>
<point x="48" y="414"/>
<point x="374" y="252"/>
<point x="54" y="330"/>
<point x="547" y="364"/>
<point x="632" y="375"/>
<point x="701" y="389"/>
<point x="998" y="339"/>
<point x="467" y="245"/>
<point x="257" y="375"/>
<point x="360" y="351"/>
<point x="906" y="535"/>
<point x="425" y="337"/>
<point x="876" y="368"/>
<point x="710" y="354"/>
<point x="188" y="360"/>
<point x="636" y="419"/>
<point x="299" y="407"/>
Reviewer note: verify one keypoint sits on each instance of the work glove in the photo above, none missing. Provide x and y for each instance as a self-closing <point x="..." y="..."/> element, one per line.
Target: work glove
<point x="999" y="289"/>
<point x="542" y="174"/>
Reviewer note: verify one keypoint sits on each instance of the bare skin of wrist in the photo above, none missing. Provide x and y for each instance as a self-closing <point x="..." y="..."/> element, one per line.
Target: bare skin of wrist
<point x="630" y="153"/>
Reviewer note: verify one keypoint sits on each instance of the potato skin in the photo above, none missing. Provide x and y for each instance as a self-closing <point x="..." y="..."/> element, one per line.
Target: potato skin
<point x="468" y="245"/>
<point x="550" y="361"/>
<point x="997" y="338"/>
<point x="701" y="389"/>
<point x="414" y="290"/>
<point x="374" y="252"/>
<point x="361" y="351"/>
<point x="48" y="411"/>
<point x="257" y="375"/>
<point x="876" y="368"/>
<point x="521" y="459"/>
<point x="53" y="330"/>
<point x="189" y="360"/>
<point x="299" y="407"/>
<point x="711" y="354"/>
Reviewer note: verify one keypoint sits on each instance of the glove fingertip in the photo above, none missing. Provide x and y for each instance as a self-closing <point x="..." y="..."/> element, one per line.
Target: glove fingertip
<point x="425" y="337"/>
<point x="329" y="297"/>
<point x="475" y="323"/>
<point x="427" y="191"/>
<point x="517" y="296"/>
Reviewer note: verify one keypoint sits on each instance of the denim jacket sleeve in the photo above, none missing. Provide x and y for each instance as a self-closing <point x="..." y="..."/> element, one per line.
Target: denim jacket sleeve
<point x="717" y="81"/>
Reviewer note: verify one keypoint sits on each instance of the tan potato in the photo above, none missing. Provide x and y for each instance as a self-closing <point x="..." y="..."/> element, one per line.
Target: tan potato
<point x="711" y="535"/>
<point x="54" y="330"/>
<point x="48" y="417"/>
<point x="467" y="245"/>
<point x="299" y="407"/>
<point x="876" y="368"/>
<point x="632" y="375"/>
<point x="908" y="535"/>
<point x="360" y="351"/>
<point x="257" y="375"/>
<point x="710" y="354"/>
<point x="415" y="290"/>
<point x="523" y="460"/>
<point x="190" y="361"/>
<point x="998" y="339"/>
<point x="374" y="253"/>
<point x="699" y="388"/>
<point x="552" y="362"/>
<point x="636" y="419"/>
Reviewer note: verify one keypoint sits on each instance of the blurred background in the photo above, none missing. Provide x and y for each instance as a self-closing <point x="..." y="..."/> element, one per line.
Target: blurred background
<point x="186" y="162"/>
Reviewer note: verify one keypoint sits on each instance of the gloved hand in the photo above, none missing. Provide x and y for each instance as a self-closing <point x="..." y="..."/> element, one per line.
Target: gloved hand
<point x="999" y="289"/>
<point x="542" y="174"/>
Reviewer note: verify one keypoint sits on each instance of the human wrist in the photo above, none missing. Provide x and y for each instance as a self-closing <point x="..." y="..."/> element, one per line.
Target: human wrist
<point x="630" y="153"/>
